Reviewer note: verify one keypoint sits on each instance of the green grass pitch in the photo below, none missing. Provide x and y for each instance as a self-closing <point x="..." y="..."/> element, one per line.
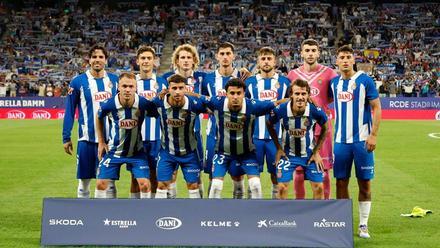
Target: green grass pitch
<point x="33" y="165"/>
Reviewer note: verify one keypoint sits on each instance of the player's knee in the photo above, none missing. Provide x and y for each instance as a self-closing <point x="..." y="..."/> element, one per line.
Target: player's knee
<point x="317" y="189"/>
<point x="162" y="185"/>
<point x="192" y="186"/>
<point x="282" y="187"/>
<point x="217" y="184"/>
<point x="144" y="185"/>
<point x="101" y="184"/>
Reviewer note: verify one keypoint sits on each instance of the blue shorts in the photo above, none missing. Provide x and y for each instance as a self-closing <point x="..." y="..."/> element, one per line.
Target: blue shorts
<point x="168" y="163"/>
<point x="110" y="166"/>
<point x="235" y="165"/>
<point x="265" y="148"/>
<point x="210" y="151"/>
<point x="345" y="154"/>
<point x="151" y="149"/>
<point x="86" y="160"/>
<point x="286" y="168"/>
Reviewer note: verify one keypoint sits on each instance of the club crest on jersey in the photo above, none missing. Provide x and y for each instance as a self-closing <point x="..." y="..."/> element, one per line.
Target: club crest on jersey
<point x="306" y="122"/>
<point x="185" y="114"/>
<point x="314" y="91"/>
<point x="319" y="81"/>
<point x="345" y="96"/>
<point x="148" y="94"/>
<point x="234" y="125"/>
<point x="128" y="123"/>
<point x="353" y="87"/>
<point x="268" y="95"/>
<point x="176" y="122"/>
<point x="110" y="85"/>
<point x="101" y="96"/>
<point x="277" y="85"/>
<point x="221" y="92"/>
<point x="297" y="133"/>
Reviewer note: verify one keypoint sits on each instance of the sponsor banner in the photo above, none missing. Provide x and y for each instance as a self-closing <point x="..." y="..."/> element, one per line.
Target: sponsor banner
<point x="31" y="113"/>
<point x="32" y="102"/>
<point x="197" y="222"/>
<point x="410" y="103"/>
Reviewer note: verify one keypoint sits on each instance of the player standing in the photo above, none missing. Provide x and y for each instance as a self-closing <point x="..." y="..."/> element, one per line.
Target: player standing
<point x="355" y="96"/>
<point x="126" y="112"/>
<point x="87" y="91"/>
<point x="267" y="85"/>
<point x="298" y="118"/>
<point x="318" y="76"/>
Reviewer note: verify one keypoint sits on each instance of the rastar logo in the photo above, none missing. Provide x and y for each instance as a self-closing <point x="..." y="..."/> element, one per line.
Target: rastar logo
<point x="176" y="122"/>
<point x="314" y="91"/>
<point x="168" y="223"/>
<point x="60" y="114"/>
<point x="345" y="96"/>
<point x="297" y="133"/>
<point x="16" y="114"/>
<point x="221" y="92"/>
<point x="41" y="114"/>
<point x="328" y="224"/>
<point x="65" y="222"/>
<point x="102" y="96"/>
<point x="149" y="94"/>
<point x="234" y="126"/>
<point x="268" y="95"/>
<point x="128" y="123"/>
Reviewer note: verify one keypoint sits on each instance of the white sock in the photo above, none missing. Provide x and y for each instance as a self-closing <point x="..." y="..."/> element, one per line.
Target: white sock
<point x="172" y="191"/>
<point x="161" y="193"/>
<point x="255" y="186"/>
<point x="364" y="212"/>
<point x="194" y="194"/>
<point x="153" y="195"/>
<point x="249" y="192"/>
<point x="201" y="189"/>
<point x="111" y="189"/>
<point x="83" y="188"/>
<point x="238" y="191"/>
<point x="145" y="195"/>
<point x="274" y="191"/>
<point x="136" y="195"/>
<point x="216" y="189"/>
<point x="101" y="194"/>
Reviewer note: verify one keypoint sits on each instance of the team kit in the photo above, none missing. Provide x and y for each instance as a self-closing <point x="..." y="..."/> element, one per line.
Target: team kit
<point x="265" y="122"/>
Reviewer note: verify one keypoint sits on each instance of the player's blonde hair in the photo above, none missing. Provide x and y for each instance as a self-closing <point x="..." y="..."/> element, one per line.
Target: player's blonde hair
<point x="188" y="48"/>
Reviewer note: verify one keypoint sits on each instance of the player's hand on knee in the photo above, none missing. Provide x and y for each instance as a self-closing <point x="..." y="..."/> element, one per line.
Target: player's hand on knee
<point x="279" y="155"/>
<point x="68" y="147"/>
<point x="102" y="149"/>
<point x="318" y="161"/>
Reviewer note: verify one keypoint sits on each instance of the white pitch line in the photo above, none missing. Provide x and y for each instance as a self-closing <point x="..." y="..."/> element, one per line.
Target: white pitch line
<point x="434" y="135"/>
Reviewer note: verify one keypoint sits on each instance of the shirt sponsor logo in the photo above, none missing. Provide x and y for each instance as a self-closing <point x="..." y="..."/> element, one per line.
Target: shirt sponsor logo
<point x="120" y="223"/>
<point x="234" y="126"/>
<point x="128" y="123"/>
<point x="148" y="94"/>
<point x="268" y="95"/>
<point x="345" y="96"/>
<point x="16" y="114"/>
<point x="65" y="222"/>
<point x="102" y="96"/>
<point x="168" y="223"/>
<point x="328" y="224"/>
<point x="276" y="223"/>
<point x="314" y="91"/>
<point x="175" y="122"/>
<point x="297" y="133"/>
<point x="40" y="114"/>
<point x="219" y="224"/>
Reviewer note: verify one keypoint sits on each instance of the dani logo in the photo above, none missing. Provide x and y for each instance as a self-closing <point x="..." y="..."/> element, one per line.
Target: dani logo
<point x="128" y="123"/>
<point x="345" y="96"/>
<point x="16" y="114"/>
<point x="234" y="126"/>
<point x="41" y="114"/>
<point x="168" y="223"/>
<point x="221" y="92"/>
<point x="268" y="95"/>
<point x="102" y="96"/>
<point x="175" y="122"/>
<point x="148" y="94"/>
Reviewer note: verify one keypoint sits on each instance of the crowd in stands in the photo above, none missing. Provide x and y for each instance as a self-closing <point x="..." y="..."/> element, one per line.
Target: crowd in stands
<point x="44" y="47"/>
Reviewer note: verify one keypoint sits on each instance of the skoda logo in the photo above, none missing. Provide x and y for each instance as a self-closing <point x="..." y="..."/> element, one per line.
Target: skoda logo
<point x="168" y="223"/>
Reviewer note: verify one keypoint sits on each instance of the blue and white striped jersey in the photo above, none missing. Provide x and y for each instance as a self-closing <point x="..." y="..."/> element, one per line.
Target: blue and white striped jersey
<point x="125" y="131"/>
<point x="87" y="93"/>
<point x="266" y="89"/>
<point x="234" y="129"/>
<point x="177" y="125"/>
<point x="352" y="109"/>
<point x="214" y="85"/>
<point x="150" y="88"/>
<point x="297" y="131"/>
